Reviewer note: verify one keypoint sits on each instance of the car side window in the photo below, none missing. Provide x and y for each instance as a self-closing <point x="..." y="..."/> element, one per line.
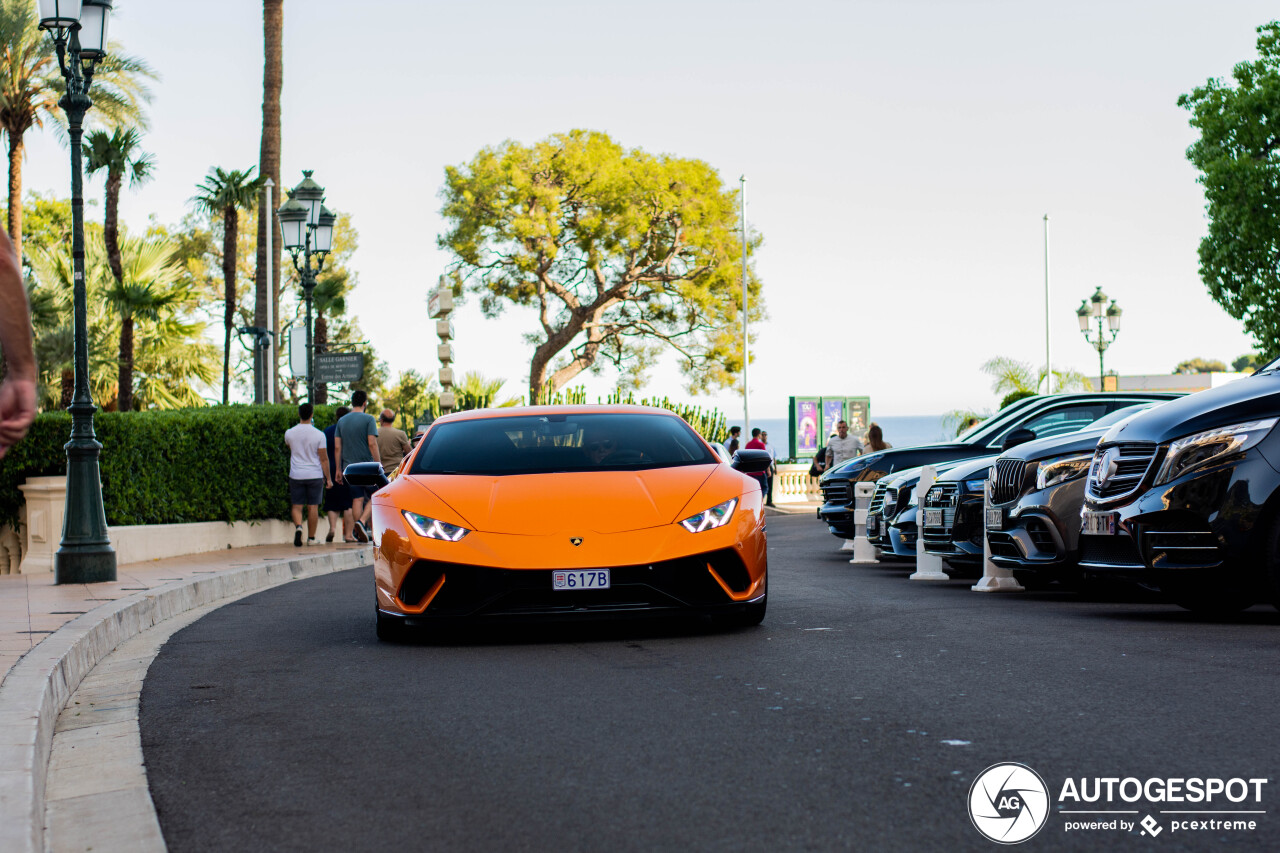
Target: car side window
<point x="1059" y="421"/>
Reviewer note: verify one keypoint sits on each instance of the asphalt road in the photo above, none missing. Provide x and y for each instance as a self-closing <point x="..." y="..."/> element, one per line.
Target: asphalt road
<point x="855" y="717"/>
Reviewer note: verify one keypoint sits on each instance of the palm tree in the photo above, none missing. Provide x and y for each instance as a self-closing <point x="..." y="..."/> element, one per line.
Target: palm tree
<point x="147" y="287"/>
<point x="121" y="154"/>
<point x="1017" y="379"/>
<point x="225" y="194"/>
<point x="269" y="167"/>
<point x="31" y="84"/>
<point x="330" y="297"/>
<point x="483" y="390"/>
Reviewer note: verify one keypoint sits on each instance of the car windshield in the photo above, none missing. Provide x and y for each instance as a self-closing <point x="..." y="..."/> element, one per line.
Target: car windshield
<point x="542" y="444"/>
<point x="1118" y="415"/>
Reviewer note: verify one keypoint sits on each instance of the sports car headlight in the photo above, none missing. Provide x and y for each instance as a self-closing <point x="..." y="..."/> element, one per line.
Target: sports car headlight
<point x="1051" y="472"/>
<point x="710" y="519"/>
<point x="1205" y="448"/>
<point x="434" y="528"/>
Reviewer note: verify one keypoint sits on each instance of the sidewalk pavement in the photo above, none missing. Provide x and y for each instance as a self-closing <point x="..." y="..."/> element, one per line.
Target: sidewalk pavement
<point x="32" y="607"/>
<point x="798" y="508"/>
<point x="52" y="636"/>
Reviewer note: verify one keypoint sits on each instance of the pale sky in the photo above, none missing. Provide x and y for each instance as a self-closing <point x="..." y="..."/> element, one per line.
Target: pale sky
<point x="900" y="157"/>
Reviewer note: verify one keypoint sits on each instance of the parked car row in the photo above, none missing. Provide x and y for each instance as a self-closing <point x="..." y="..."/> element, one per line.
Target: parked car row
<point x="1178" y="493"/>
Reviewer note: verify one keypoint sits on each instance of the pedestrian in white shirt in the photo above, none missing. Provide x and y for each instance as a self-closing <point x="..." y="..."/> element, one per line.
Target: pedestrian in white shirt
<point x="842" y="446"/>
<point x="308" y="472"/>
<point x="735" y="433"/>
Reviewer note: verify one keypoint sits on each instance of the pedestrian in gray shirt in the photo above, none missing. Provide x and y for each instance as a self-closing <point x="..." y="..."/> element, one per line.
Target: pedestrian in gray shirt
<point x="356" y="440"/>
<point x="842" y="446"/>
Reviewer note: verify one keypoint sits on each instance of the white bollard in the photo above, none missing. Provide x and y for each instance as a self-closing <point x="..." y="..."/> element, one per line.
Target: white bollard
<point x="994" y="578"/>
<point x="848" y="545"/>
<point x="864" y="553"/>
<point x="928" y="566"/>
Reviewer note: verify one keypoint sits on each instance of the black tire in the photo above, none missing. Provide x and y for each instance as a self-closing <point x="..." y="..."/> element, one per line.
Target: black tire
<point x="1206" y="602"/>
<point x="1032" y="581"/>
<point x="1271" y="573"/>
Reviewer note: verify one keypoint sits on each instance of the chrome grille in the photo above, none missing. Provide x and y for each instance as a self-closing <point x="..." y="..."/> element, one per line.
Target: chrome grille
<point x="837" y="492"/>
<point x="877" y="500"/>
<point x="1006" y="480"/>
<point x="1119" y="470"/>
<point x="941" y="496"/>
<point x="889" y="504"/>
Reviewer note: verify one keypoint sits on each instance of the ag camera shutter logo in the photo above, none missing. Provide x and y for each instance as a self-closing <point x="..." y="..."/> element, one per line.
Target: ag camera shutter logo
<point x="1008" y="803"/>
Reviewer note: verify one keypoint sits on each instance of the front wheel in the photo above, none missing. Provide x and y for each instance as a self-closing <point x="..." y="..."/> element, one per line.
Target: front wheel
<point x="389" y="628"/>
<point x="1209" y="602"/>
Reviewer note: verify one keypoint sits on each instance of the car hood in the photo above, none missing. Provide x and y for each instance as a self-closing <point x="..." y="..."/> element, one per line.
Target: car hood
<point x="911" y="476"/>
<point x="1249" y="399"/>
<point x="596" y="501"/>
<point x="1083" y="441"/>
<point x="968" y="469"/>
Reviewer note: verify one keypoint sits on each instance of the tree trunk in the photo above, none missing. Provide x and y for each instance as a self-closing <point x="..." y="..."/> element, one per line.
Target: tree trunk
<point x="15" y="193"/>
<point x="269" y="167"/>
<point x="124" y="396"/>
<point x="68" y="387"/>
<point x="111" y="224"/>
<point x="322" y="345"/>
<point x="230" y="233"/>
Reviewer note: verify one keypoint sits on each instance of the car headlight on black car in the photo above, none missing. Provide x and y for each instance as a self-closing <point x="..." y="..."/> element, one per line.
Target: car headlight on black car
<point x="434" y="528"/>
<point x="975" y="485"/>
<point x="1210" y="446"/>
<point x="710" y="519"/>
<point x="1051" y="472"/>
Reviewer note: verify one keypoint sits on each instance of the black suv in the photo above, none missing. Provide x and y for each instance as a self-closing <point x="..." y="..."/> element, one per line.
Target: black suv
<point x="1186" y="497"/>
<point x="1036" y="494"/>
<point x="1040" y="416"/>
<point x="951" y="514"/>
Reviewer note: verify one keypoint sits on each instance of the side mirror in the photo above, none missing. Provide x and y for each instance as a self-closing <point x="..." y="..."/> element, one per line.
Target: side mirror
<point x="751" y="461"/>
<point x="366" y="474"/>
<point x="1018" y="436"/>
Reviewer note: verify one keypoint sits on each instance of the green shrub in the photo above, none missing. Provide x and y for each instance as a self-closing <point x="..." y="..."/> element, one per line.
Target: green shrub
<point x="168" y="467"/>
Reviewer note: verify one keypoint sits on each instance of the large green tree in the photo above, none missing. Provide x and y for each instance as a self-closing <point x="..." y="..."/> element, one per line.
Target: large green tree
<point x="1238" y="155"/>
<point x="224" y="194"/>
<point x="619" y="252"/>
<point x="31" y="84"/>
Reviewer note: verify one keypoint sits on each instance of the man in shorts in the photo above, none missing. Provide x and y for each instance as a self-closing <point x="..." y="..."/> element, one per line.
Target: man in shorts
<point x="308" y="472"/>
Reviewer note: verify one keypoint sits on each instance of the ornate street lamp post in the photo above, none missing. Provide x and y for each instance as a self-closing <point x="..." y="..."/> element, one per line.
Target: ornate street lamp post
<point x="79" y="31"/>
<point x="307" y="228"/>
<point x="1095" y="310"/>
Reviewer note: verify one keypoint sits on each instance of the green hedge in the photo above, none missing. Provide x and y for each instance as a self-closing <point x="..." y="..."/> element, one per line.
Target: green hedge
<point x="167" y="467"/>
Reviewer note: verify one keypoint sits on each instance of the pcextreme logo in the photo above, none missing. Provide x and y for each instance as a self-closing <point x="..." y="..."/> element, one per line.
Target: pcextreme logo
<point x="1009" y="803"/>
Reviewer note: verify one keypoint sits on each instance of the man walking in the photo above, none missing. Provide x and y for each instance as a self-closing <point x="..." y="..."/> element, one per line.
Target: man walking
<point x="18" y="385"/>
<point x="308" y="473"/>
<point x="842" y="446"/>
<point x="393" y="444"/>
<point x="773" y="467"/>
<point x="356" y="440"/>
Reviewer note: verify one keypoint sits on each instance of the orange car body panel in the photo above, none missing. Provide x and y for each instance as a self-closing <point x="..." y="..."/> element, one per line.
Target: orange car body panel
<point x="529" y="521"/>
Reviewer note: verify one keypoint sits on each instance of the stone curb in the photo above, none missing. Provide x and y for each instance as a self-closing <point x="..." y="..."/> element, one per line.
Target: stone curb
<point x="39" y="685"/>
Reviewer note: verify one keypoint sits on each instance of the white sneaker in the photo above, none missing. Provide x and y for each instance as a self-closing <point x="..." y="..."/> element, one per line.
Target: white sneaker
<point x="312" y="541"/>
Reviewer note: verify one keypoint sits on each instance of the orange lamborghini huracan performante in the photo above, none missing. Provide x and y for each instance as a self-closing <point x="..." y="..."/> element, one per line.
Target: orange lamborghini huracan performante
<point x="566" y="511"/>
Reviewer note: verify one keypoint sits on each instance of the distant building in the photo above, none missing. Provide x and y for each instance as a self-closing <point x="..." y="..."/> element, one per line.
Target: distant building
<point x="1179" y="382"/>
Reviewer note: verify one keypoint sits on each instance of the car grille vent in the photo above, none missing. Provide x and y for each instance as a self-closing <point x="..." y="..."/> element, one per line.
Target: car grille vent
<point x="1040" y="535"/>
<point x="836" y="493"/>
<point x="1002" y="545"/>
<point x="889" y="504"/>
<point x="1109" y="551"/>
<point x="1006" y="480"/>
<point x="1119" y="470"/>
<point x="942" y="496"/>
<point x="877" y="500"/>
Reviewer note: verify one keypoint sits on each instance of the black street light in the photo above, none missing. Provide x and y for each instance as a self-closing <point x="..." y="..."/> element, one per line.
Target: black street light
<point x="79" y="31"/>
<point x="1095" y="309"/>
<point x="307" y="228"/>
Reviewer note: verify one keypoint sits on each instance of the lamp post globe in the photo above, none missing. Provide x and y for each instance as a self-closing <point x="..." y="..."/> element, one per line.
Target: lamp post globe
<point x="1103" y="322"/>
<point x="79" y="33"/>
<point x="307" y="228"/>
<point x="58" y="14"/>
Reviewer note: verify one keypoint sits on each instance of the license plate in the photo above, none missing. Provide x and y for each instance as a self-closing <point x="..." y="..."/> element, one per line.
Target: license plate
<point x="873" y="525"/>
<point x="580" y="579"/>
<point x="933" y="518"/>
<point x="995" y="518"/>
<point x="1099" y="524"/>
